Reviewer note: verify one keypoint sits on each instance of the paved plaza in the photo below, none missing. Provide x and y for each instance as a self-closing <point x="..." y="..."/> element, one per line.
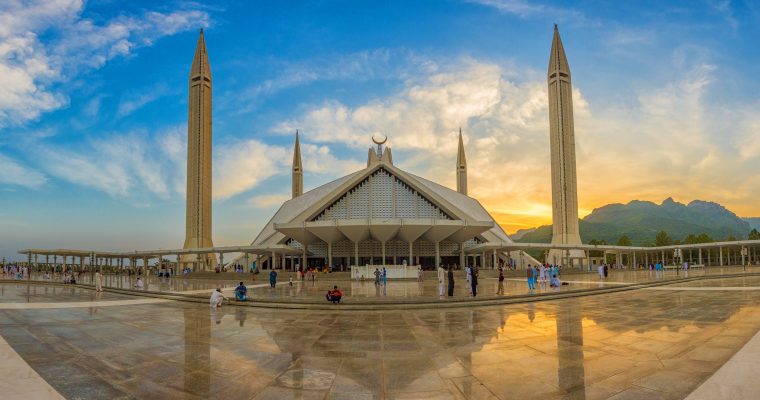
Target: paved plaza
<point x="661" y="342"/>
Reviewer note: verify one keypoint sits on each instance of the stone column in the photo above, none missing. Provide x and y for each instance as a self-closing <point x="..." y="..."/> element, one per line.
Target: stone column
<point x="699" y="256"/>
<point x="356" y="254"/>
<point x="720" y="258"/>
<point x="493" y="261"/>
<point x="221" y="261"/>
<point x="437" y="254"/>
<point x="382" y="246"/>
<point x="329" y="255"/>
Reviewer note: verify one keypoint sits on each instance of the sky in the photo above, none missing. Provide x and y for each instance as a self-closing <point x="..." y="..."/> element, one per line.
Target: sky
<point x="93" y="107"/>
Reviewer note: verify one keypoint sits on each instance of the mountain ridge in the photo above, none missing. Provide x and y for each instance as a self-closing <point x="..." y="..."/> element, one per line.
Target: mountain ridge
<point x="641" y="221"/>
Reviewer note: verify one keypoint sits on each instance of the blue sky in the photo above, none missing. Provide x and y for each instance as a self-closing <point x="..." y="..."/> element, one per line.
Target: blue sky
<point x="94" y="106"/>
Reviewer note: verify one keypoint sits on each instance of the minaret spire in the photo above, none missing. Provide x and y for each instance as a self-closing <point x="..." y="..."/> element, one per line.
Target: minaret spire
<point x="565" y="228"/>
<point x="297" y="169"/>
<point x="198" y="210"/>
<point x="461" y="167"/>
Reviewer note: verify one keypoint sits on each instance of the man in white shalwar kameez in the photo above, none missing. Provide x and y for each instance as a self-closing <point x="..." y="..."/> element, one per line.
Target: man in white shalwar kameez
<point x="98" y="281"/>
<point x="441" y="281"/>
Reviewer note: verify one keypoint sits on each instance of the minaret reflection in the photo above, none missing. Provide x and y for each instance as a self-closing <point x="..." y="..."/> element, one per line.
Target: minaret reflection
<point x="570" y="371"/>
<point x="197" y="351"/>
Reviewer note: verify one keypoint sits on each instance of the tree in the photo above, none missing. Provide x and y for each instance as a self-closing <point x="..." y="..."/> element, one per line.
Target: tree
<point x="704" y="238"/>
<point x="624" y="241"/>
<point x="662" y="239"/>
<point x="731" y="238"/>
<point x="753" y="234"/>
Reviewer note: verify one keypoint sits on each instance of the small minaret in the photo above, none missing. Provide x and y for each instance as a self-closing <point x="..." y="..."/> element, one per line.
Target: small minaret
<point x="461" y="167"/>
<point x="297" y="169"/>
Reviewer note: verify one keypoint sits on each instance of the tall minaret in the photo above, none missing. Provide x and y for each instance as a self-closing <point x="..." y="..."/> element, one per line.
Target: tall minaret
<point x="198" y="221"/>
<point x="562" y="143"/>
<point x="297" y="169"/>
<point x="461" y="167"/>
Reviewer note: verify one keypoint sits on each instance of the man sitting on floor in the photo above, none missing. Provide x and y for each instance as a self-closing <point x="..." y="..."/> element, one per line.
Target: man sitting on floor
<point x="334" y="295"/>
<point x="241" y="292"/>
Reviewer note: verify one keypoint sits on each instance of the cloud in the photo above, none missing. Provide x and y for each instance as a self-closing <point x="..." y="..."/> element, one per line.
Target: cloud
<point x="32" y="68"/>
<point x="120" y="164"/>
<point x="531" y="10"/>
<point x="242" y="165"/>
<point x="268" y="200"/>
<point x="356" y="67"/>
<point x="136" y="100"/>
<point x="13" y="173"/>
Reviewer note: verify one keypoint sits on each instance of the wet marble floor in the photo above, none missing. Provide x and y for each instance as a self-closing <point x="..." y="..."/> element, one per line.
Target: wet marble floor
<point x="642" y="344"/>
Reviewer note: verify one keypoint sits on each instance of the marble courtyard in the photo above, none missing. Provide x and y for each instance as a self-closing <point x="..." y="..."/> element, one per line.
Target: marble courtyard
<point x="654" y="342"/>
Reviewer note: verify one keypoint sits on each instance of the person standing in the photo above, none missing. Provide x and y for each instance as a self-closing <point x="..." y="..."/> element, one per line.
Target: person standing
<point x="542" y="275"/>
<point x="451" y="281"/>
<point x="474" y="283"/>
<point x="98" y="281"/>
<point x="500" y="289"/>
<point x="441" y="280"/>
<point x="530" y="275"/>
<point x="468" y="277"/>
<point x="377" y="277"/>
<point x="272" y="278"/>
<point x="385" y="277"/>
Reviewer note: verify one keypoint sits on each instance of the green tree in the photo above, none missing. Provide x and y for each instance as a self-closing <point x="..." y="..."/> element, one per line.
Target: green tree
<point x="753" y="234"/>
<point x="662" y="239"/>
<point x="731" y="238"/>
<point x="624" y="241"/>
<point x="691" y="239"/>
<point x="597" y="243"/>
<point x="704" y="238"/>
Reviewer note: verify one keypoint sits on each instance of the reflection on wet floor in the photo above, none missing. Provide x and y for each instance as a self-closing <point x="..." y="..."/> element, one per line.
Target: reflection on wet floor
<point x="639" y="344"/>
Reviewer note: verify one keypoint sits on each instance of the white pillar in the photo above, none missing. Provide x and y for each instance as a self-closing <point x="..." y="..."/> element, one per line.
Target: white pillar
<point x="720" y="259"/>
<point x="329" y="255"/>
<point x="437" y="254"/>
<point x="383" y="250"/>
<point x="411" y="253"/>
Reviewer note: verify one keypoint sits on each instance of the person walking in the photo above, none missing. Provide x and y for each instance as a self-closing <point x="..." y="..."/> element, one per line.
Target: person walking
<point x="377" y="277"/>
<point x="272" y="278"/>
<point x="441" y="280"/>
<point x="98" y="281"/>
<point x="500" y="288"/>
<point x="451" y="281"/>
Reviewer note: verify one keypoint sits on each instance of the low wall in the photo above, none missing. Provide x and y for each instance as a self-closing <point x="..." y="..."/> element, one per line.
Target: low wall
<point x="392" y="271"/>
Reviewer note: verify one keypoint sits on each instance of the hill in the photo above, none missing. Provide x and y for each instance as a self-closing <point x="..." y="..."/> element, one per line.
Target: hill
<point x="642" y="220"/>
<point x="753" y="222"/>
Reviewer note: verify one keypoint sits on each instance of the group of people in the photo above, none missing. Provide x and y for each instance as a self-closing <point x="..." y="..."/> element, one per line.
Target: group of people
<point x="15" y="271"/>
<point x="544" y="274"/>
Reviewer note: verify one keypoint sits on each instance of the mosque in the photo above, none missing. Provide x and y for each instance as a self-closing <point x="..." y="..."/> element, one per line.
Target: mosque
<point x="380" y="215"/>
